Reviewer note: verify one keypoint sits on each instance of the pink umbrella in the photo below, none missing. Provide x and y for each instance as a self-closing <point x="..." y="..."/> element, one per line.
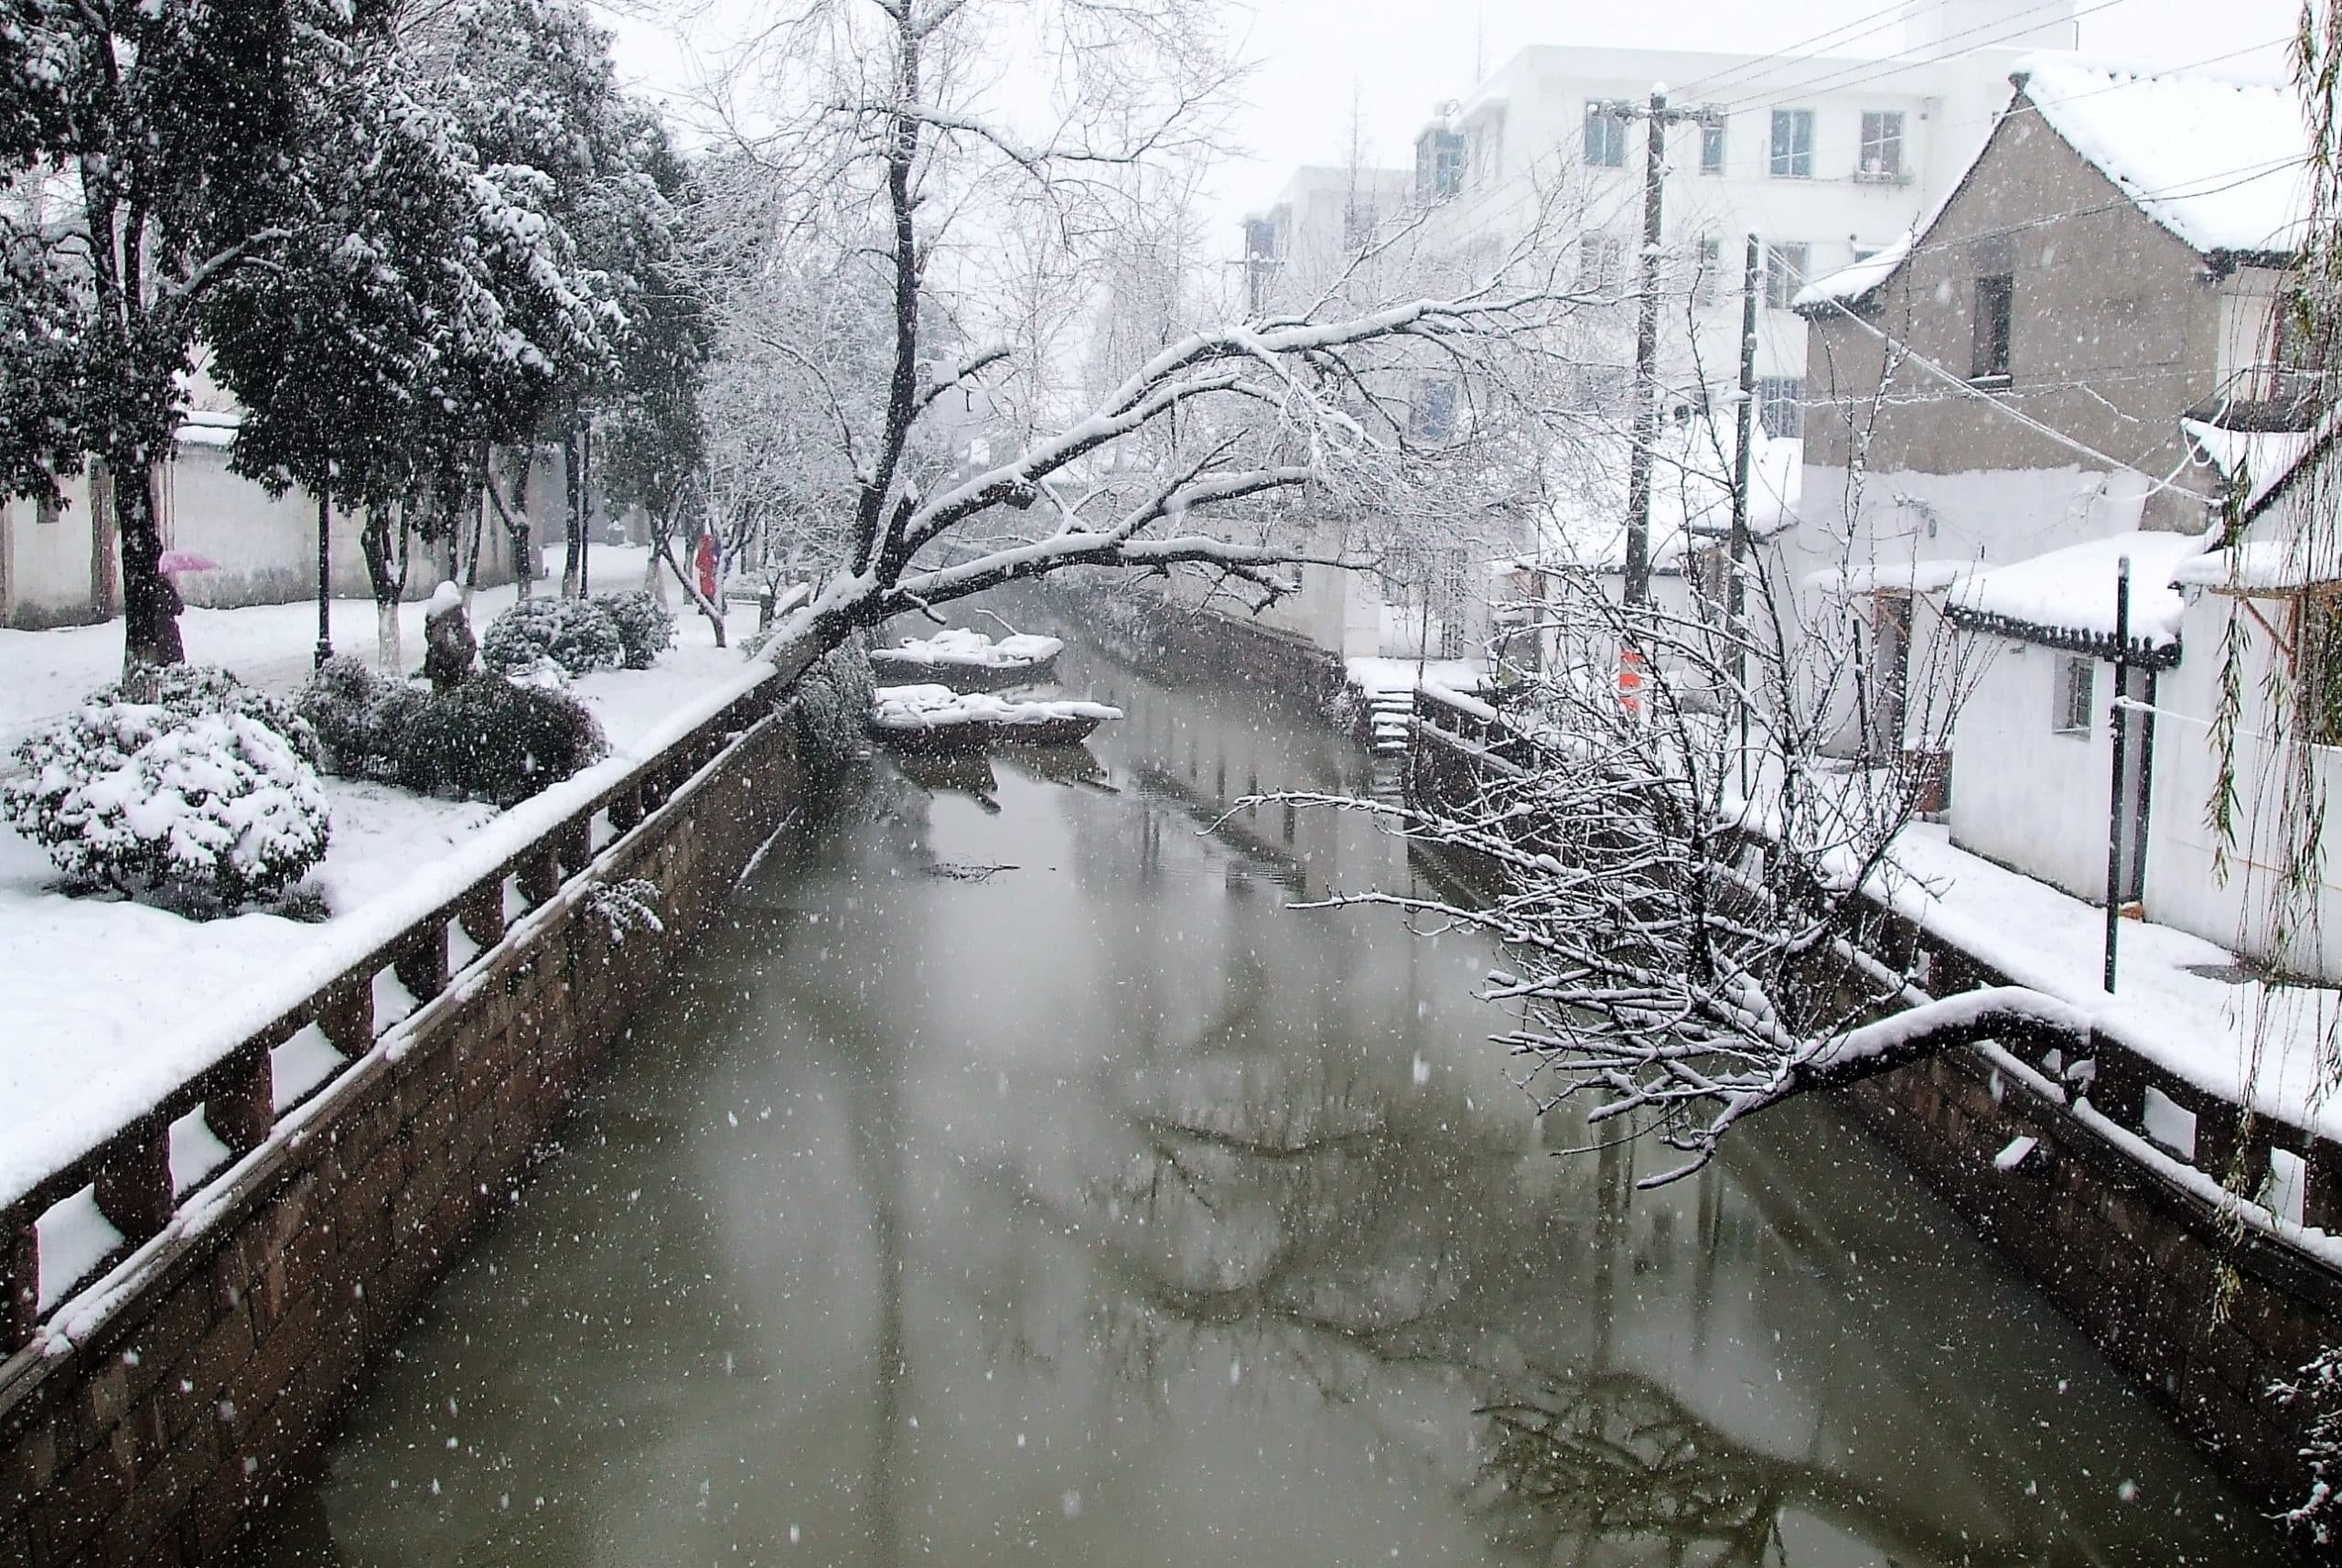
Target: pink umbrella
<point x="184" y="560"/>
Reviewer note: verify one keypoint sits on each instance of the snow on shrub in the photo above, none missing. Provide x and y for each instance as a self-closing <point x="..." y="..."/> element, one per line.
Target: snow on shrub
<point x="206" y="808"/>
<point x="577" y="636"/>
<point x="189" y="690"/>
<point x="645" y="628"/>
<point x="498" y="740"/>
<point x="359" y="716"/>
<point x="832" y="704"/>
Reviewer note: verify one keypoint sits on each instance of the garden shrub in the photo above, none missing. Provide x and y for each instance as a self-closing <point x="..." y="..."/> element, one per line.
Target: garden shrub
<point x="577" y="636"/>
<point x="498" y="740"/>
<point x="359" y="716"/>
<point x="645" y="628"/>
<point x="192" y="689"/>
<point x="200" y="807"/>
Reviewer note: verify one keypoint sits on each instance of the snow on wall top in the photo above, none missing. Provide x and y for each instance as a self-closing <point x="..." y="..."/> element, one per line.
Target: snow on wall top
<point x="2266" y="458"/>
<point x="1849" y="284"/>
<point x="2072" y="590"/>
<point x="2220" y="164"/>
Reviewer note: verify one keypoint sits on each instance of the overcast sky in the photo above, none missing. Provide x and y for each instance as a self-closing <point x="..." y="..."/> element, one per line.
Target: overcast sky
<point x="1398" y="58"/>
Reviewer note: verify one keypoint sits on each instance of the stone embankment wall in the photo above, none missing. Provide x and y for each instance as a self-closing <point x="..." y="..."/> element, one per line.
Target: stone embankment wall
<point x="149" y="1417"/>
<point x="2207" y="1300"/>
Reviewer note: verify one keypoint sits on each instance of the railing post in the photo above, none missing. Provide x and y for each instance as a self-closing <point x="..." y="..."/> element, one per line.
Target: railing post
<point x="19" y="1279"/>
<point x="626" y="811"/>
<point x="482" y="915"/>
<point x="134" y="1184"/>
<point x="540" y="878"/>
<point x="241" y="1108"/>
<point x="346" y="1017"/>
<point x="422" y="968"/>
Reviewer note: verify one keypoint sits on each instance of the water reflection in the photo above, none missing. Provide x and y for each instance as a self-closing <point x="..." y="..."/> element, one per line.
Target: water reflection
<point x="1013" y="1175"/>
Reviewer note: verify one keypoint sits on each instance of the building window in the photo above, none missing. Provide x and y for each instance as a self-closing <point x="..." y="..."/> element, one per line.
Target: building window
<point x="1601" y="261"/>
<point x="1261" y="239"/>
<point x="1994" y="297"/>
<point x="1780" y="407"/>
<point x="1439" y="164"/>
<point x="1606" y="137"/>
<point x="45" y="511"/>
<point x="1712" y="122"/>
<point x="1792" y="144"/>
<point x="1882" y="158"/>
<point x="1705" y="287"/>
<point x="2077" y="688"/>
<point x="1433" y="416"/>
<point x="1785" y="271"/>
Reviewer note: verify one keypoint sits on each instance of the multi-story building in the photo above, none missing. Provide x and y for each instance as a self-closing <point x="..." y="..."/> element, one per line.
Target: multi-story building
<point x="1826" y="159"/>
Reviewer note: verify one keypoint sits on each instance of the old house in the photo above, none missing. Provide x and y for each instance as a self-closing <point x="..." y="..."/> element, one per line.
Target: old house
<point x="2060" y="367"/>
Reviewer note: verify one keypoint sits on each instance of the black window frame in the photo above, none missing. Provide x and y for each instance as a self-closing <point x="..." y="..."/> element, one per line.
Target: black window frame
<point x="1993" y="323"/>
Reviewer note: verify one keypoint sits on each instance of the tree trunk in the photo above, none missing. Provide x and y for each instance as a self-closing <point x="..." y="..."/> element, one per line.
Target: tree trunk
<point x="662" y="543"/>
<point x="573" y="559"/>
<point x="525" y="564"/>
<point x="150" y="605"/>
<point x="388" y="582"/>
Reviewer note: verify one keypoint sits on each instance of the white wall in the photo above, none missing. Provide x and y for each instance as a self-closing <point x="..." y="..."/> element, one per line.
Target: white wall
<point x="2024" y="794"/>
<point x="2182" y="887"/>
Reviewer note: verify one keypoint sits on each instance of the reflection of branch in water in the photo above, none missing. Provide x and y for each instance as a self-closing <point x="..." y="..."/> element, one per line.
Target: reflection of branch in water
<point x="1327" y="1228"/>
<point x="1618" y="1459"/>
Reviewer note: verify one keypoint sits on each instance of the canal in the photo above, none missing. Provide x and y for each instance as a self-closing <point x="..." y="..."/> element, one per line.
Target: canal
<point x="1014" y="1176"/>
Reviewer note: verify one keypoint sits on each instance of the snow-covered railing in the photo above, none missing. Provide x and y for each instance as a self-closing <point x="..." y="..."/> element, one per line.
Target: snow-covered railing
<point x="2270" y="1174"/>
<point x="84" y="1197"/>
<point x="1476" y="723"/>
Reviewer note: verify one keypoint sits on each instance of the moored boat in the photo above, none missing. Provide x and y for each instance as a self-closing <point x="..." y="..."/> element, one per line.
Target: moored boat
<point x="967" y="661"/>
<point x="933" y="718"/>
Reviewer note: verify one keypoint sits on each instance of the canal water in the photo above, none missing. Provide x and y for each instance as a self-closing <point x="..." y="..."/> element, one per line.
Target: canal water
<point x="1013" y="1176"/>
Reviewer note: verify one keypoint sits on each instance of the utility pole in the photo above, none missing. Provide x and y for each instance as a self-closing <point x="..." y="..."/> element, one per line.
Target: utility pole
<point x="1657" y="117"/>
<point x="1745" y="430"/>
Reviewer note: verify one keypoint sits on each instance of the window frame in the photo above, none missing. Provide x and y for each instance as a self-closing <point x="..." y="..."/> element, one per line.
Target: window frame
<point x="1613" y="138"/>
<point x="1777" y="396"/>
<point x="1992" y="329"/>
<point x="1793" y="160"/>
<point x="2073" y="702"/>
<point x="1783" y="275"/>
<point x="1707" y="287"/>
<point x="1714" y="148"/>
<point x="1884" y="130"/>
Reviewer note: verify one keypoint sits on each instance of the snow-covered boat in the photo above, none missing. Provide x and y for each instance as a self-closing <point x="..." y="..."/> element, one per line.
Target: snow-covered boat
<point x="967" y="661"/>
<point x="936" y="718"/>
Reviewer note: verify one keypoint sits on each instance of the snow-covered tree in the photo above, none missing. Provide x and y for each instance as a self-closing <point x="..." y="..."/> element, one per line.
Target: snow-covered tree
<point x="952" y="152"/>
<point x="419" y="297"/>
<point x="156" y="151"/>
<point x="1693" y="893"/>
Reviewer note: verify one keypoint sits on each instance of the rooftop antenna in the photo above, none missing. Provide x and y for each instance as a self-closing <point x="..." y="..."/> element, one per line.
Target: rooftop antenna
<point x="1480" y="45"/>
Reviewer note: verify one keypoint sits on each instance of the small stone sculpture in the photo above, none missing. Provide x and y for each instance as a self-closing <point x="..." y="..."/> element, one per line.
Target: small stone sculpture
<point x="448" y="645"/>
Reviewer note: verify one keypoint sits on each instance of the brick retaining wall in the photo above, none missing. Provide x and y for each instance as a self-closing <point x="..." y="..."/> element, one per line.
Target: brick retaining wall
<point x="181" y="1404"/>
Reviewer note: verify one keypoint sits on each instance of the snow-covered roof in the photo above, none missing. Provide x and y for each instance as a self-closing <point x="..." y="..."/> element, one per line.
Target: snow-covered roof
<point x="1850" y="283"/>
<point x="1913" y="577"/>
<point x="2066" y="598"/>
<point x="2220" y="164"/>
<point x="2266" y="458"/>
<point x="2267" y="565"/>
<point x="209" y="427"/>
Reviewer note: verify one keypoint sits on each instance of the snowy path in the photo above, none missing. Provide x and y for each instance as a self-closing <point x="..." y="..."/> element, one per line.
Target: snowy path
<point x="2180" y="1000"/>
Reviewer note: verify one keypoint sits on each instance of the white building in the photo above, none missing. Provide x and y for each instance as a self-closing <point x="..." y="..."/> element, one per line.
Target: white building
<point x="1826" y="158"/>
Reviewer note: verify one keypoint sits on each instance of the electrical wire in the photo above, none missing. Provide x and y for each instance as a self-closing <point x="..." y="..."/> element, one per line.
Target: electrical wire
<point x="1865" y="71"/>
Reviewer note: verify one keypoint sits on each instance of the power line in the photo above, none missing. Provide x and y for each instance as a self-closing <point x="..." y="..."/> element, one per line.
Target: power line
<point x="1805" y="48"/>
<point x="1872" y="70"/>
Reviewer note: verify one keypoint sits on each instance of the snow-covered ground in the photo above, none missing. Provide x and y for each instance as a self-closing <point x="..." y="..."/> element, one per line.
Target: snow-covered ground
<point x="93" y="989"/>
<point x="2180" y="1001"/>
